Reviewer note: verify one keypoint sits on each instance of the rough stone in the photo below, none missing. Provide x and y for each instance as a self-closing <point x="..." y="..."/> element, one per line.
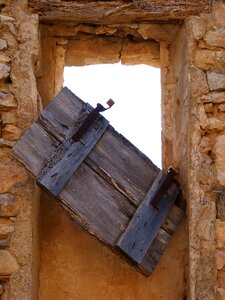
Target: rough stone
<point x="220" y="204"/>
<point x="221" y="107"/>
<point x="8" y="178"/>
<point x="140" y="53"/>
<point x="205" y="145"/>
<point x="7" y="100"/>
<point x="9" y="117"/>
<point x="93" y="50"/>
<point x="8" y="263"/>
<point x="220" y="234"/>
<point x="209" y="60"/>
<point x="1" y="289"/>
<point x="221" y="278"/>
<point x="198" y="28"/>
<point x="218" y="13"/>
<point x="11" y="132"/>
<point x="214" y="97"/>
<point x="4" y="58"/>
<point x="4" y="71"/>
<point x="208" y="107"/>
<point x="213" y="124"/>
<point x="5" y="143"/>
<point x="3" y="44"/>
<point x="215" y="38"/>
<point x="153" y="31"/>
<point x="4" y="243"/>
<point x="6" y="230"/>
<point x="220" y="259"/>
<point x="220" y="294"/>
<point x="8" y="205"/>
<point x="216" y="81"/>
<point x="164" y="54"/>
<point x="199" y="84"/>
<point x="219" y="151"/>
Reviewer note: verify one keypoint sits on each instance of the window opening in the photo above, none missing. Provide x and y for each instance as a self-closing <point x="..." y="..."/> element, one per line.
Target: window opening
<point x="136" y="91"/>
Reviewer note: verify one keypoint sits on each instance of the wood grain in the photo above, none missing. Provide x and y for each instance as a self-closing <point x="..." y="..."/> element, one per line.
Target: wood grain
<point x="147" y="220"/>
<point x="68" y="157"/>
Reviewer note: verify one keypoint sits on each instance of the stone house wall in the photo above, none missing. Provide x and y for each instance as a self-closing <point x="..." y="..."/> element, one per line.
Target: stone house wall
<point x="193" y="120"/>
<point x="18" y="108"/>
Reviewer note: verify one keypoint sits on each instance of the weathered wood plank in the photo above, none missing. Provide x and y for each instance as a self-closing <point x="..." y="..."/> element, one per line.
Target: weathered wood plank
<point x="68" y="157"/>
<point x="116" y="158"/>
<point x="97" y="205"/>
<point x="103" y="12"/>
<point x="147" y="220"/>
<point x="61" y="114"/>
<point x="173" y="219"/>
<point x="159" y="244"/>
<point x="34" y="147"/>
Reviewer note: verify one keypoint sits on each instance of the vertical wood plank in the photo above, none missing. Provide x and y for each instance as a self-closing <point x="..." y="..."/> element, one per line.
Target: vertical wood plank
<point x="146" y="222"/>
<point x="68" y="158"/>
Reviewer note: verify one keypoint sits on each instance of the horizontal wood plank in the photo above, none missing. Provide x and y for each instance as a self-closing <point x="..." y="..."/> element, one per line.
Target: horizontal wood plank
<point x="102" y="12"/>
<point x="147" y="220"/>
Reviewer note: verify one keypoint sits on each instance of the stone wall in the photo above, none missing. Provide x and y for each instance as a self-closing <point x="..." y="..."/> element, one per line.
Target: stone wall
<point x="18" y="108"/>
<point x="206" y="154"/>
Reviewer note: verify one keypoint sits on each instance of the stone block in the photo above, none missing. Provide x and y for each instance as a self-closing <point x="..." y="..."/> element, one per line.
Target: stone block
<point x="11" y="132"/>
<point x="8" y="263"/>
<point x="7" y="100"/>
<point x="220" y="205"/>
<point x="164" y="54"/>
<point x="140" y="53"/>
<point x="215" y="38"/>
<point x="218" y="13"/>
<point x="12" y="174"/>
<point x="221" y="107"/>
<point x="220" y="259"/>
<point x="220" y="294"/>
<point x="219" y="152"/>
<point x="221" y="278"/>
<point x="205" y="144"/>
<point x="5" y="143"/>
<point x="216" y="81"/>
<point x="4" y="243"/>
<point x="6" y="230"/>
<point x="95" y="50"/>
<point x="8" y="205"/>
<point x="199" y="84"/>
<point x="4" y="71"/>
<point x="213" y="124"/>
<point x="220" y="234"/>
<point x="3" y="44"/>
<point x="4" y="58"/>
<point x="9" y="117"/>
<point x="208" y="108"/>
<point x="154" y="31"/>
<point x="214" y="97"/>
<point x="209" y="60"/>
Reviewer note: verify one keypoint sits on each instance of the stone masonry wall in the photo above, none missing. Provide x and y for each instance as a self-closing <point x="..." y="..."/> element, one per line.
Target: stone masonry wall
<point x="206" y="141"/>
<point x="18" y="108"/>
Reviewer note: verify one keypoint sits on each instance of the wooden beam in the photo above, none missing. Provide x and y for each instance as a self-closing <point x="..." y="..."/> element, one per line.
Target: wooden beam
<point x="120" y="12"/>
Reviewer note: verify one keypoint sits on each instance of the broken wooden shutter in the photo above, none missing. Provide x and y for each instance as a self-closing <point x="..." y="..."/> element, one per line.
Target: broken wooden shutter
<point x="104" y="183"/>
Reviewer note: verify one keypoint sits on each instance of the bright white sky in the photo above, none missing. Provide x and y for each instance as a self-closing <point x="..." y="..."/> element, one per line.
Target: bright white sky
<point x="136" y="91"/>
